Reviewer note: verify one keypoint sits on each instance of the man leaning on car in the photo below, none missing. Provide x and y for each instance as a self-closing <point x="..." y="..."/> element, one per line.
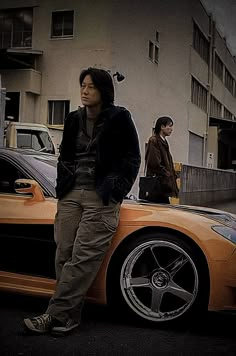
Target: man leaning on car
<point x="98" y="164"/>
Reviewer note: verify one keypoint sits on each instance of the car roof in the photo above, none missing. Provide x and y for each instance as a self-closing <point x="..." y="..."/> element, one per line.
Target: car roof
<point x="27" y="124"/>
<point x="27" y="152"/>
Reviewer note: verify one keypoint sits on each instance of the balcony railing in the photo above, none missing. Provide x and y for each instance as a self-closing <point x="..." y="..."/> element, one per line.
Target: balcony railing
<point x="16" y="39"/>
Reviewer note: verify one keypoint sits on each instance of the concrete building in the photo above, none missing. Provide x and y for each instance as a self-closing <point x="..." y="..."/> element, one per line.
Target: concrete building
<point x="174" y="60"/>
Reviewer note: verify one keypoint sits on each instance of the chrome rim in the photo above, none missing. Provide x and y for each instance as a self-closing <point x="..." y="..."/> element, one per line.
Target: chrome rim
<point x="159" y="280"/>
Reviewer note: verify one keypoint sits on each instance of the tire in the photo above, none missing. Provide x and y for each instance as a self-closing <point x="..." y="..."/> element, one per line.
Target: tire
<point x="159" y="278"/>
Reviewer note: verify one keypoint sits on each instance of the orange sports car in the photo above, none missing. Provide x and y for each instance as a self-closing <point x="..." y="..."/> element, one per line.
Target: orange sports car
<point x="165" y="262"/>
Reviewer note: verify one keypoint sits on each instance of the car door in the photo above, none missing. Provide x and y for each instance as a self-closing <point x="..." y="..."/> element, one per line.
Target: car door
<point x="26" y="227"/>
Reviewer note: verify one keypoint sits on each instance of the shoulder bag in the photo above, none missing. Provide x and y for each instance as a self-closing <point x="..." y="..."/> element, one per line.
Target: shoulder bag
<point x="149" y="188"/>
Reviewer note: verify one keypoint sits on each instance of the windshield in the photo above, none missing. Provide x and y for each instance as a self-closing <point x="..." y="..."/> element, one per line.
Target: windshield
<point x="45" y="165"/>
<point x="36" y="140"/>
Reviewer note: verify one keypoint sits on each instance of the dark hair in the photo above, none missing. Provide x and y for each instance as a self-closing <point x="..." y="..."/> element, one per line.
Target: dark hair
<point x="102" y="81"/>
<point x="163" y="120"/>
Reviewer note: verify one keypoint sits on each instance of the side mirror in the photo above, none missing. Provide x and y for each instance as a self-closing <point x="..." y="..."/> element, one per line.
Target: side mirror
<point x="23" y="186"/>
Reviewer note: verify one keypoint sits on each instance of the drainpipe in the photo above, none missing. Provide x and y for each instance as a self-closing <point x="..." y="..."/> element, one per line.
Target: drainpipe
<point x="209" y="82"/>
<point x="2" y="114"/>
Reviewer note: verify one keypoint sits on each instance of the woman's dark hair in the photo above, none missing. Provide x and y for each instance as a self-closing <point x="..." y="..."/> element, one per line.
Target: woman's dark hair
<point x="102" y="81"/>
<point x="163" y="120"/>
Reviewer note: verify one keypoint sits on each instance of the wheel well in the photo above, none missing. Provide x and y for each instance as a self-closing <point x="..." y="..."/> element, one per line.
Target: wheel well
<point x="154" y="229"/>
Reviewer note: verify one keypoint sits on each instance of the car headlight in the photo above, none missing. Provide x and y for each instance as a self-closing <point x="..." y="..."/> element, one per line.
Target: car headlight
<point x="228" y="232"/>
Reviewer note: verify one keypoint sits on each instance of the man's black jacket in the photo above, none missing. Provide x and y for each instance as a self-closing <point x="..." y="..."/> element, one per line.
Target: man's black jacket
<point x="117" y="155"/>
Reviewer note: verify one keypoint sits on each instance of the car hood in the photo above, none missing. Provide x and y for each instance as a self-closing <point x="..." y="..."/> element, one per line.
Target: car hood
<point x="220" y="216"/>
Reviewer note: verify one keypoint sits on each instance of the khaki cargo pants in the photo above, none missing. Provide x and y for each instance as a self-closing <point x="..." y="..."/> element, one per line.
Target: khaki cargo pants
<point x="83" y="233"/>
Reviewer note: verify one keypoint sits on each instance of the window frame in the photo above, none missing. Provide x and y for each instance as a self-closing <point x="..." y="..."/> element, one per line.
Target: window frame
<point x="218" y="67"/>
<point x="51" y="111"/>
<point x="200" y="43"/>
<point x="198" y="94"/>
<point x="229" y="81"/>
<point x="215" y="107"/>
<point x="62" y="36"/>
<point x="154" y="49"/>
<point x="227" y="115"/>
<point x="15" y="173"/>
<point x="14" y="20"/>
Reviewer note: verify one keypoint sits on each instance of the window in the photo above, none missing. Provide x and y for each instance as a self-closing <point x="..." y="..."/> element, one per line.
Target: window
<point x="196" y="149"/>
<point x="153" y="49"/>
<point x="36" y="140"/>
<point x="57" y="111"/>
<point x="62" y="24"/>
<point x="16" y="28"/>
<point x="156" y="54"/>
<point x="227" y="114"/>
<point x="8" y="175"/>
<point x="12" y="107"/>
<point x="200" y="43"/>
<point x="229" y="81"/>
<point x="218" y="67"/>
<point x="151" y="46"/>
<point x="216" y="107"/>
<point x="198" y="95"/>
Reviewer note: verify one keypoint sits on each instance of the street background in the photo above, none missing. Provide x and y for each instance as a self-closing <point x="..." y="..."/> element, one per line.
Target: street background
<point x="229" y="206"/>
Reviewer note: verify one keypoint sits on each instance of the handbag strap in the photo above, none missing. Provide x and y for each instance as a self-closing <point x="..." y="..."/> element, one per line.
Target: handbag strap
<point x="146" y="158"/>
<point x="145" y="168"/>
<point x="145" y="165"/>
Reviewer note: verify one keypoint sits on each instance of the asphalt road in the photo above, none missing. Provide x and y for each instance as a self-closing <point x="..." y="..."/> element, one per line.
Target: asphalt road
<point x="102" y="333"/>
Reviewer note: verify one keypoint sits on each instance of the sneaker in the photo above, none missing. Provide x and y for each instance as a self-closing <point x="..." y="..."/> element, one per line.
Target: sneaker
<point x="40" y="324"/>
<point x="61" y="329"/>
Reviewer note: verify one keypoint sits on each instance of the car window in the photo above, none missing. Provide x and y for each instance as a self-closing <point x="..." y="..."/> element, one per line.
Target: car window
<point x="47" y="142"/>
<point x="44" y="164"/>
<point x="8" y="176"/>
<point x="36" y="140"/>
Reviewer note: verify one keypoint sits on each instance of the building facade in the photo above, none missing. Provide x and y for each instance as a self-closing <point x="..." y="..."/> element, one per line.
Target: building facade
<point x="174" y="60"/>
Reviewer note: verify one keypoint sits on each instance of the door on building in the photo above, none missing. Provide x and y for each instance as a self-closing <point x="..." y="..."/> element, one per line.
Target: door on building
<point x="195" y="154"/>
<point x="12" y="106"/>
<point x="227" y="148"/>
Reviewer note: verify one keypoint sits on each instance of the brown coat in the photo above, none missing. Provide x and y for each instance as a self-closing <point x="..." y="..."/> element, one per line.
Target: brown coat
<point x="159" y="162"/>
